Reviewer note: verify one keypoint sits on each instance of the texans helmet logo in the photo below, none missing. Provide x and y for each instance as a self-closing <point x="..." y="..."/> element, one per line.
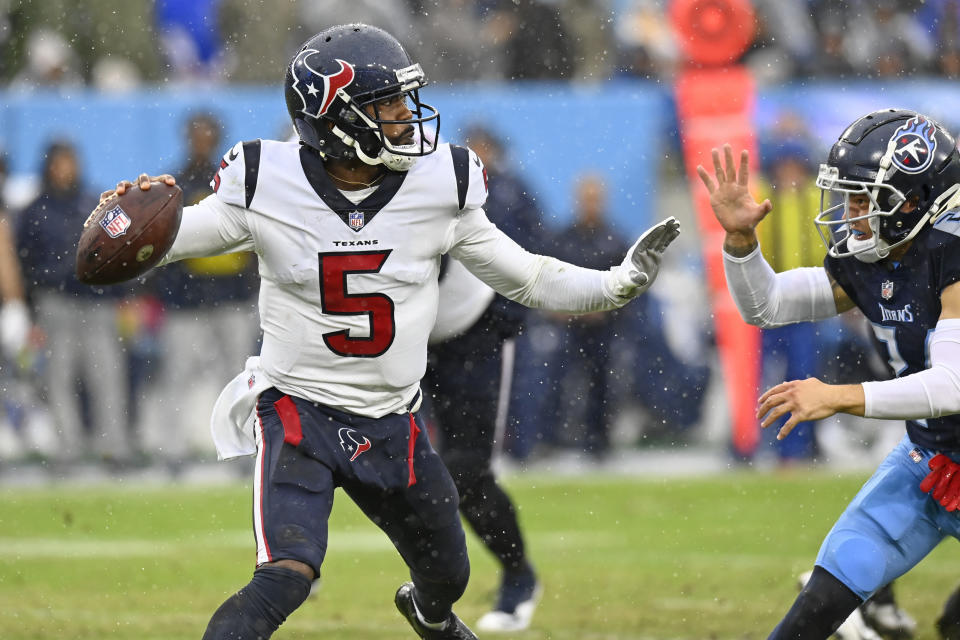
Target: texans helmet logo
<point x="350" y="443"/>
<point x="914" y="144"/>
<point x="316" y="89"/>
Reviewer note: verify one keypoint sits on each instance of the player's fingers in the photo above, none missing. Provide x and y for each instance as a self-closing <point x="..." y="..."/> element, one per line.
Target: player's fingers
<point x="106" y="194"/>
<point x="938" y="461"/>
<point x="952" y="503"/>
<point x="671" y="232"/>
<point x="774" y="413"/>
<point x="706" y="179"/>
<point x="165" y="178"/>
<point x="774" y="390"/>
<point x="766" y="207"/>
<point x="728" y="161"/>
<point x="930" y="481"/>
<point x="122" y="187"/>
<point x="767" y="402"/>
<point x="952" y="497"/>
<point x="144" y="181"/>
<point x="717" y="167"/>
<point x="744" y="168"/>
<point x="941" y="489"/>
<point x="787" y="427"/>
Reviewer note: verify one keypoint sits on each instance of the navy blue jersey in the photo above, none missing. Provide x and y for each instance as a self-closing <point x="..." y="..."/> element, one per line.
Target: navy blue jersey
<point x="902" y="302"/>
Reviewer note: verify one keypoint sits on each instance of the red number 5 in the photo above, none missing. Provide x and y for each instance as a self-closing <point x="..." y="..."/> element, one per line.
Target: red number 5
<point x="336" y="300"/>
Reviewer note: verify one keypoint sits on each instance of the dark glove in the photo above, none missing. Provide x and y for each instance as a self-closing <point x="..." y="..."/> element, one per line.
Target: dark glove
<point x="944" y="480"/>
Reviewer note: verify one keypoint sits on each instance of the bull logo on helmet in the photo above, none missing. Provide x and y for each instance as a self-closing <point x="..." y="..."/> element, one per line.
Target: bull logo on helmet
<point x="353" y="443"/>
<point x="318" y="90"/>
<point x="914" y="144"/>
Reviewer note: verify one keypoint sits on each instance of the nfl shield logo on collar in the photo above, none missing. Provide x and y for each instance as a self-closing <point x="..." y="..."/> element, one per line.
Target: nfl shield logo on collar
<point x="115" y="222"/>
<point x="886" y="289"/>
<point x="356" y="220"/>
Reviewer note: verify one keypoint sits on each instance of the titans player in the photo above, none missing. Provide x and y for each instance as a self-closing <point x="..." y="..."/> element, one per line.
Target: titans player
<point x="890" y="187"/>
<point x="349" y="224"/>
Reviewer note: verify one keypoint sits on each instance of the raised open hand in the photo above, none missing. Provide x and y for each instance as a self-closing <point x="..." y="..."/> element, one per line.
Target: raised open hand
<point x="735" y="208"/>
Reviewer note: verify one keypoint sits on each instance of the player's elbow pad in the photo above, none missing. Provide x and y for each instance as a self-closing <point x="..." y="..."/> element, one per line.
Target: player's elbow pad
<point x="930" y="393"/>
<point x="768" y="299"/>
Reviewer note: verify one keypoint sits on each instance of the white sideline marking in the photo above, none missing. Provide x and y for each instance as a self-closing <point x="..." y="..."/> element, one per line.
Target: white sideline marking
<point x="355" y="541"/>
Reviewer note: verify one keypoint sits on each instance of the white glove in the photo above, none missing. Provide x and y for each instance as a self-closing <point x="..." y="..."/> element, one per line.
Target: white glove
<point x="640" y="267"/>
<point x="14" y="327"/>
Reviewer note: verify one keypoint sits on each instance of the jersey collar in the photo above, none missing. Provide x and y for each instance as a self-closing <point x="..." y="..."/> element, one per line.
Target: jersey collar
<point x="317" y="176"/>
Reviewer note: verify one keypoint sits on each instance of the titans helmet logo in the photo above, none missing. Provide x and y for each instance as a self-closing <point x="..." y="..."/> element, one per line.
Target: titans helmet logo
<point x="316" y="89"/>
<point x="914" y="144"/>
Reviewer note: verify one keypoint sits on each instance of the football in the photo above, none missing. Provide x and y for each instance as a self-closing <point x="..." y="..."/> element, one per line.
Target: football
<point x="127" y="235"/>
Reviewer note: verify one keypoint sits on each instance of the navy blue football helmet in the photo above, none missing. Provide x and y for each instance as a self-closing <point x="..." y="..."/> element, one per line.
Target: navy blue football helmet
<point x="339" y="72"/>
<point x="893" y="156"/>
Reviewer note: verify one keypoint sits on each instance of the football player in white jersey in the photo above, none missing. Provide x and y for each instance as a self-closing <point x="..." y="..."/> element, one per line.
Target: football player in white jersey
<point x="349" y="224"/>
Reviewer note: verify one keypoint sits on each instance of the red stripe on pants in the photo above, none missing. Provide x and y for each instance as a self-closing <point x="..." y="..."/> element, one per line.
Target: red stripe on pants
<point x="290" y="419"/>
<point x="414" y="432"/>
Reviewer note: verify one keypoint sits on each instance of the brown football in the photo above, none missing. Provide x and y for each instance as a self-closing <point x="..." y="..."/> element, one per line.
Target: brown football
<point x="127" y="235"/>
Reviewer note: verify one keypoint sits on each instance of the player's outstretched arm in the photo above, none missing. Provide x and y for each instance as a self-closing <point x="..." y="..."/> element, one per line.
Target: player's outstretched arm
<point x="543" y="282"/>
<point x="642" y="263"/>
<point x="809" y="399"/>
<point x="736" y="210"/>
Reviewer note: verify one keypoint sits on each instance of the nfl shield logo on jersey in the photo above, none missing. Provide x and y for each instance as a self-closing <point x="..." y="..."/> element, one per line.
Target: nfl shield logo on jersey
<point x="356" y="220"/>
<point x="886" y="289"/>
<point x="115" y="222"/>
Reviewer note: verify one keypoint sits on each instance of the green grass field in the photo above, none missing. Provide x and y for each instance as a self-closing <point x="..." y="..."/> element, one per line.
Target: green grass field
<point x="620" y="557"/>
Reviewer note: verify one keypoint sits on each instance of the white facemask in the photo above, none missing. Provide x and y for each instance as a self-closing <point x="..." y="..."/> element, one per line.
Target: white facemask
<point x="870" y="250"/>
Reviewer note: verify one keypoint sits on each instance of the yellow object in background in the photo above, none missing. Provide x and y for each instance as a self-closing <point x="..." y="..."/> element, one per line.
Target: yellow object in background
<point x="225" y="265"/>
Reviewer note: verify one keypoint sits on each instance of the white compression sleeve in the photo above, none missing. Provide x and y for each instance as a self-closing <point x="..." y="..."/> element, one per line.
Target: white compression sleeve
<point x="931" y="393"/>
<point x="768" y="299"/>
<point x="209" y="228"/>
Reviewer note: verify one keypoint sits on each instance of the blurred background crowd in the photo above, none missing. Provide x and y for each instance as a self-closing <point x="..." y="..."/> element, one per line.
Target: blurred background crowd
<point x="65" y="43"/>
<point x="124" y="377"/>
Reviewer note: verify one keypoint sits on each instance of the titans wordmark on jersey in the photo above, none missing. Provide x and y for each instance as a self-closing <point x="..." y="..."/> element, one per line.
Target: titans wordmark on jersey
<point x="348" y="292"/>
<point x="902" y="302"/>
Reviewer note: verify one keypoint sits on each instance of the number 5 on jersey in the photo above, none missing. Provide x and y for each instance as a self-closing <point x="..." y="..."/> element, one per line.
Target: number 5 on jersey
<point x="337" y="300"/>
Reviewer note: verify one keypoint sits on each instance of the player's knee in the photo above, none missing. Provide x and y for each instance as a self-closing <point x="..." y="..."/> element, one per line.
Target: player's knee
<point x="860" y="562"/>
<point x="294" y="565"/>
<point x="257" y="610"/>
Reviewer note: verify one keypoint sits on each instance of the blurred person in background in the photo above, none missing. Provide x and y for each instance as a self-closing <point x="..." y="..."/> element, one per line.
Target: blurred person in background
<point x="83" y="350"/>
<point x="583" y="343"/>
<point x="50" y="63"/>
<point x="889" y="39"/>
<point x="190" y="39"/>
<point x="645" y="42"/>
<point x="789" y="241"/>
<point x="547" y="56"/>
<point x="455" y="34"/>
<point x="14" y="316"/>
<point x="14" y="335"/>
<point x="786" y="41"/>
<point x="468" y="379"/>
<point x="209" y="325"/>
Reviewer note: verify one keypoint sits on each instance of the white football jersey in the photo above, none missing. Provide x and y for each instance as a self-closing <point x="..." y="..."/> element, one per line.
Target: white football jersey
<point x="349" y="292"/>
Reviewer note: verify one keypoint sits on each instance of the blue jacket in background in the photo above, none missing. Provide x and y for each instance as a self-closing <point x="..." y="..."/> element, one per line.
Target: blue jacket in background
<point x="48" y="230"/>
